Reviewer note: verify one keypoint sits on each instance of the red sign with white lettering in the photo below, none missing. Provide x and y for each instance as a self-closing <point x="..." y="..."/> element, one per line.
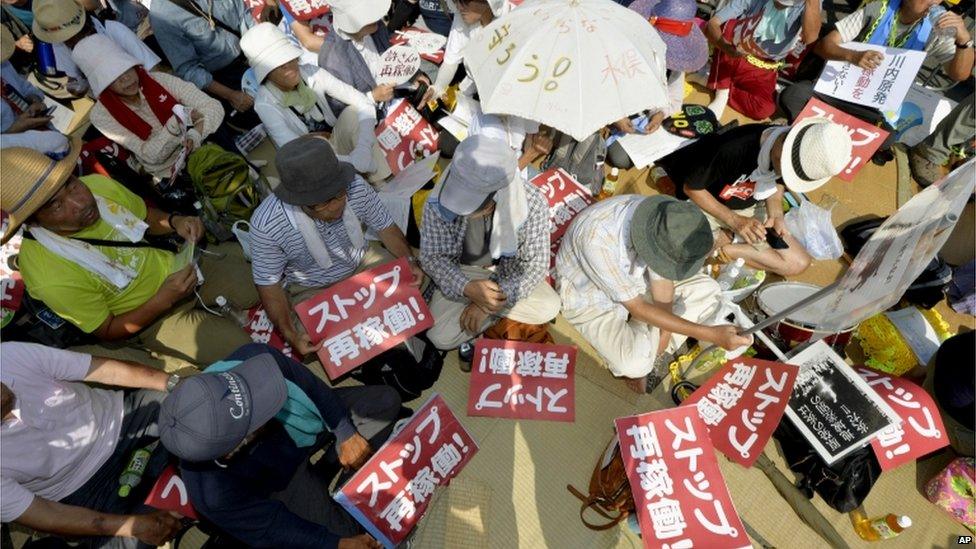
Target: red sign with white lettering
<point x="865" y="137"/>
<point x="921" y="430"/>
<point x="261" y="330"/>
<point x="401" y="133"/>
<point x="364" y="315"/>
<point x="742" y="404"/>
<point x="519" y="380"/>
<point x="680" y="495"/>
<point x="566" y="199"/>
<point x="303" y="10"/>
<point x="169" y="494"/>
<point x="391" y="492"/>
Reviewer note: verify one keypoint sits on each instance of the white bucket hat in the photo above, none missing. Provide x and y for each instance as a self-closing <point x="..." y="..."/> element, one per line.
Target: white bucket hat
<point x="815" y="150"/>
<point x="102" y="61"/>
<point x="350" y="16"/>
<point x="481" y="166"/>
<point x="267" y="48"/>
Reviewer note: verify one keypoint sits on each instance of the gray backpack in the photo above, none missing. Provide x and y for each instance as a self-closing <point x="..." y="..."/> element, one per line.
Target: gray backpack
<point x="583" y="159"/>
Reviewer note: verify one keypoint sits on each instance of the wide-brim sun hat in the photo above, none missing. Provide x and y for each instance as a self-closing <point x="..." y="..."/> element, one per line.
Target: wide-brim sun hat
<point x="57" y="20"/>
<point x="310" y="172"/>
<point x="30" y="179"/>
<point x="350" y="16"/>
<point x="7" y="44"/>
<point x="209" y="414"/>
<point x="102" y="61"/>
<point x="671" y="236"/>
<point x="815" y="150"/>
<point x="687" y="51"/>
<point x="481" y="165"/>
<point x="267" y="48"/>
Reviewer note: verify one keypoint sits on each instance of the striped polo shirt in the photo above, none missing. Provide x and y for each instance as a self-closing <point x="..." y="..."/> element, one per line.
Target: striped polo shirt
<point x="278" y="251"/>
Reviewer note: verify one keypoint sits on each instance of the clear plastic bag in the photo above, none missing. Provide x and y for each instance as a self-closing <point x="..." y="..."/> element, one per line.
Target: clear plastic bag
<point x="812" y="226"/>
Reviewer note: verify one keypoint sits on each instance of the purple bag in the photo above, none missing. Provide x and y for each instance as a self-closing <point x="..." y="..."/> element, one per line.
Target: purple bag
<point x="952" y="490"/>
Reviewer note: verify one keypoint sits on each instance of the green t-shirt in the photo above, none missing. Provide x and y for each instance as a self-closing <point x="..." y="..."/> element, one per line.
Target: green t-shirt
<point x="81" y="296"/>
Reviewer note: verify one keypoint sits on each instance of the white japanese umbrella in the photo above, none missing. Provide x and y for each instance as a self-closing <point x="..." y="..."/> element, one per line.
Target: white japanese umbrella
<point x="575" y="65"/>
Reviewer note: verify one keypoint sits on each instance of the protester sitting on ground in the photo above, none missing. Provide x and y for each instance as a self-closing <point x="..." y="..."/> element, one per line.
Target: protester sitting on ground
<point x="929" y="158"/>
<point x="629" y="274"/>
<point x="687" y="52"/>
<point x="733" y="177"/>
<point x="86" y="259"/>
<point x="752" y="38"/>
<point x="64" y="23"/>
<point x="893" y="23"/>
<point x="24" y="121"/>
<point x="293" y="101"/>
<point x="309" y="234"/>
<point x="130" y="13"/>
<point x="484" y="240"/>
<point x="244" y="431"/>
<point x="138" y="109"/>
<point x="65" y="445"/>
<point x="200" y="40"/>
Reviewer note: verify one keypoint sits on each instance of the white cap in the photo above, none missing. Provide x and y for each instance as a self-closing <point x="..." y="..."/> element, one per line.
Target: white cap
<point x="267" y="48"/>
<point x="904" y="521"/>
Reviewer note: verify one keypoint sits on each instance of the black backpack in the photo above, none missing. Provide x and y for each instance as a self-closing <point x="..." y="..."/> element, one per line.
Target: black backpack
<point x="399" y="369"/>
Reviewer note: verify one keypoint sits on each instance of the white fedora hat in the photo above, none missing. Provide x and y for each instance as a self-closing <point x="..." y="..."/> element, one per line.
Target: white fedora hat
<point x="267" y="48"/>
<point x="815" y="150"/>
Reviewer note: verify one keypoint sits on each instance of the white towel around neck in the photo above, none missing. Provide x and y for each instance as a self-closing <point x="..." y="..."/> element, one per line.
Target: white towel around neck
<point x="313" y="239"/>
<point x="765" y="175"/>
<point x="511" y="211"/>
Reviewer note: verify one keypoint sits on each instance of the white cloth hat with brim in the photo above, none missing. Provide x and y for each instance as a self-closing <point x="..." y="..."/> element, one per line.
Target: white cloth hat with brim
<point x="350" y="16"/>
<point x="815" y="150"/>
<point x="102" y="61"/>
<point x="267" y="48"/>
<point x="481" y="166"/>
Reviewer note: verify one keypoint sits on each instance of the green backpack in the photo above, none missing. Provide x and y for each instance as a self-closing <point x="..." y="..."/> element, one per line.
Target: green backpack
<point x="228" y="189"/>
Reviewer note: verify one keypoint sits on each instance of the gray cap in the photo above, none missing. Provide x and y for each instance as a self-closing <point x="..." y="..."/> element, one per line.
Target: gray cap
<point x="481" y="166"/>
<point x="671" y="236"/>
<point x="209" y="414"/>
<point x="310" y="173"/>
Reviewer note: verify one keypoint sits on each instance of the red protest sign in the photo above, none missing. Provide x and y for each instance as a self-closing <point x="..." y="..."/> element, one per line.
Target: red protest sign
<point x="262" y="330"/>
<point x="921" y="430"/>
<point x="429" y="44"/>
<point x="364" y="315"/>
<point x="390" y="493"/>
<point x="169" y="494"/>
<point x="864" y="137"/>
<point x="680" y="495"/>
<point x="519" y="380"/>
<point x="742" y="404"/>
<point x="303" y="10"/>
<point x="401" y="133"/>
<point x="566" y="199"/>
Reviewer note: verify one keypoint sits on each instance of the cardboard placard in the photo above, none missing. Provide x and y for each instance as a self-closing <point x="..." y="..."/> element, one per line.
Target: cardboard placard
<point x="401" y="133"/>
<point x="169" y="494"/>
<point x="430" y="45"/>
<point x="865" y="137"/>
<point x="883" y="88"/>
<point x="261" y="330"/>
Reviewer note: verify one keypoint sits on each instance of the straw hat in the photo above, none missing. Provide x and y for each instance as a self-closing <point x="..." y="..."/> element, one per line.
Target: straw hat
<point x="30" y="179"/>
<point x="102" y="61"/>
<point x="350" y="16"/>
<point x="815" y="150"/>
<point x="6" y="44"/>
<point x="267" y="48"/>
<point x="57" y="20"/>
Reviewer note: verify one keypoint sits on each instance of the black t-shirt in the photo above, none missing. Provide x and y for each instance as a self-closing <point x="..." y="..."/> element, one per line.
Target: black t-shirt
<point x="720" y="164"/>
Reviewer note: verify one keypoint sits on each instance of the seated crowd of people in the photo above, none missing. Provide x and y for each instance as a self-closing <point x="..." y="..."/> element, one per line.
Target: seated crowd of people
<point x="97" y="248"/>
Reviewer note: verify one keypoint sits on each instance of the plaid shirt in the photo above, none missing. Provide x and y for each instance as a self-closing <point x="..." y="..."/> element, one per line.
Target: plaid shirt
<point x="440" y="251"/>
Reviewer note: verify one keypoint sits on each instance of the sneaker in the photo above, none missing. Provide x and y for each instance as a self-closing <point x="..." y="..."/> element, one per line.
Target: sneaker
<point x="924" y="171"/>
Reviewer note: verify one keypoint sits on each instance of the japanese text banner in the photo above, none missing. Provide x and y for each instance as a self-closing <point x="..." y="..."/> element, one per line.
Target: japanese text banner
<point x="262" y="330"/>
<point x="391" y="492"/>
<point x="364" y="315"/>
<point x="680" y="495"/>
<point x="921" y="430"/>
<point x="401" y="133"/>
<point x="517" y="380"/>
<point x="566" y="199"/>
<point x="882" y="88"/>
<point x="742" y="404"/>
<point x="865" y="137"/>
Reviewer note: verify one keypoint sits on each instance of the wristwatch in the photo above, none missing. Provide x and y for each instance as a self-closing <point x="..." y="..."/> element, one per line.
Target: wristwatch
<point x="968" y="44"/>
<point x="171" y="382"/>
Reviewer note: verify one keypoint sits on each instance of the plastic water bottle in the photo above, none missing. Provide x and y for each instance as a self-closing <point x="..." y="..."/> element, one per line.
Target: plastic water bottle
<point x="132" y="475"/>
<point x="231" y="311"/>
<point x="934" y="14"/>
<point x="728" y="276"/>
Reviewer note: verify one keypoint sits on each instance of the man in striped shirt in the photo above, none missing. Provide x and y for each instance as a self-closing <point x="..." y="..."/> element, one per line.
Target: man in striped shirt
<point x="484" y="240"/>
<point x="309" y="234"/>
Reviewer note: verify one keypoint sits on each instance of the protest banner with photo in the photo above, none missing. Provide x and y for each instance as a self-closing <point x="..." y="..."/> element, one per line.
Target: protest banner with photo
<point x="262" y="330"/>
<point x="364" y="315"/>
<point x="680" y="495"/>
<point x="430" y="45"/>
<point x="883" y="88"/>
<point x="918" y="115"/>
<point x="169" y="494"/>
<point x="865" y="138"/>
<point x="402" y="133"/>
<point x="921" y="430"/>
<point x="517" y="380"/>
<point x="742" y="404"/>
<point x="398" y="64"/>
<point x="835" y="410"/>
<point x="390" y="493"/>
<point x="897" y="252"/>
